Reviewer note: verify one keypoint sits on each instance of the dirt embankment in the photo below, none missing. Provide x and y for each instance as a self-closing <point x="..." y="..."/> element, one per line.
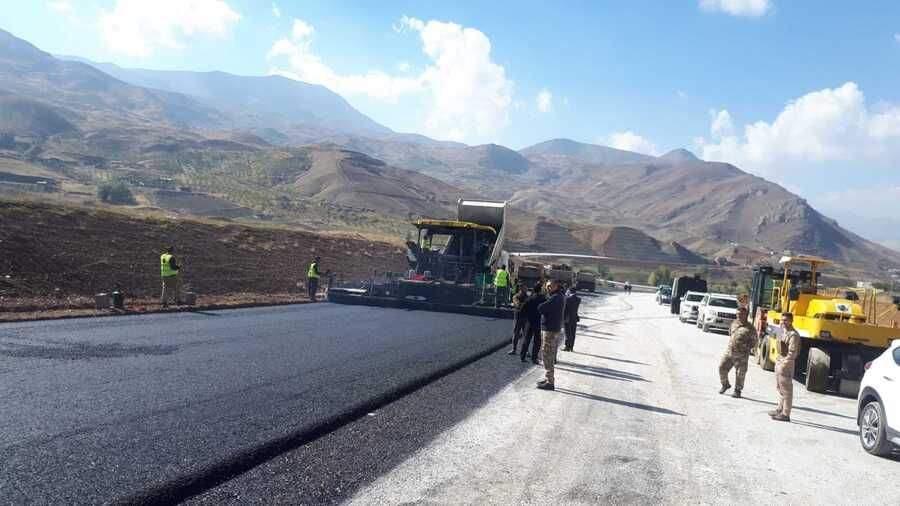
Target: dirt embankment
<point x="52" y="254"/>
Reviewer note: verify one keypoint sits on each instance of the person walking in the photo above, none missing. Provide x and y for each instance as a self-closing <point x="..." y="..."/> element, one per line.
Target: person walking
<point x="788" y="349"/>
<point x="573" y="302"/>
<point x="532" y="324"/>
<point x="737" y="353"/>
<point x="501" y="286"/>
<point x="552" y="313"/>
<point x="520" y="320"/>
<point x="628" y="287"/>
<point x="312" y="279"/>
<point x="169" y="271"/>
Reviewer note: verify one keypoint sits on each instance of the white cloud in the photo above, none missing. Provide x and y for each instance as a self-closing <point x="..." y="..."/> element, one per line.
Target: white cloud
<point x="470" y="94"/>
<point x="566" y="101"/>
<point x="403" y="66"/>
<point x="630" y="141"/>
<point x="722" y="125"/>
<point x="276" y="11"/>
<point x="138" y="27"/>
<point x="823" y="126"/>
<point x="897" y="38"/>
<point x="301" y="30"/>
<point x="682" y="95"/>
<point x="544" y="100"/>
<point x="60" y="6"/>
<point x="749" y="8"/>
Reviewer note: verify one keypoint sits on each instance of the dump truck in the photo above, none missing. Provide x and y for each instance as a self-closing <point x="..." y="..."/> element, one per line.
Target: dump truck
<point x="527" y="273"/>
<point x="586" y="281"/>
<point x="560" y="272"/>
<point x="451" y="262"/>
<point x="839" y="334"/>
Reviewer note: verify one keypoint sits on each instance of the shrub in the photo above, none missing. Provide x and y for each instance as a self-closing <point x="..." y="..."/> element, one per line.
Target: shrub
<point x="115" y="192"/>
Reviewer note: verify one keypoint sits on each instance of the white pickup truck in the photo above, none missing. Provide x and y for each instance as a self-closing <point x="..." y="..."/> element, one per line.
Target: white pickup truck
<point x="690" y="304"/>
<point x="717" y="311"/>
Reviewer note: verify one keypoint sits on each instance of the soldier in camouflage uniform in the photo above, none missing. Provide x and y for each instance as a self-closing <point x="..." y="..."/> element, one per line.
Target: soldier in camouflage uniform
<point x="788" y="349"/>
<point x="743" y="338"/>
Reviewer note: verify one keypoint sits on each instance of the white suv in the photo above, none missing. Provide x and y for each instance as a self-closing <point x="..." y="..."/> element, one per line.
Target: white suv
<point x="717" y="311"/>
<point x="878" y="407"/>
<point x="690" y="304"/>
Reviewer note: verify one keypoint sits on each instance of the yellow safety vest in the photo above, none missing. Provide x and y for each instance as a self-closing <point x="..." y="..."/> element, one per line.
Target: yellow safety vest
<point x="312" y="274"/>
<point x="501" y="279"/>
<point x="165" y="264"/>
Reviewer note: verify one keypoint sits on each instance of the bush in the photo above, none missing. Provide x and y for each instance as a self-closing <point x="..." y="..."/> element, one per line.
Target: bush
<point x="115" y="193"/>
<point x="661" y="276"/>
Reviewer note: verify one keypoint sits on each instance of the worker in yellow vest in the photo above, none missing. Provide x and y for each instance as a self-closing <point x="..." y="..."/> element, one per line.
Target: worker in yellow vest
<point x="169" y="271"/>
<point x="312" y="279"/>
<point x="501" y="286"/>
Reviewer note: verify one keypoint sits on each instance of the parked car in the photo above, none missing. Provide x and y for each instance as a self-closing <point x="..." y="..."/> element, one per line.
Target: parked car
<point x="717" y="311"/>
<point x="878" y="404"/>
<point x="664" y="295"/>
<point x="690" y="304"/>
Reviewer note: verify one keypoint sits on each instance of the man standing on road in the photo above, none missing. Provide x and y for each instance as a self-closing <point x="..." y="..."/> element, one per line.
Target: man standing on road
<point x="312" y="279"/>
<point x="552" y="312"/>
<point x="501" y="286"/>
<point x="737" y="353"/>
<point x="788" y="349"/>
<point x="533" y="324"/>
<point x="573" y="301"/>
<point x="518" y="301"/>
<point x="169" y="270"/>
<point x="627" y="287"/>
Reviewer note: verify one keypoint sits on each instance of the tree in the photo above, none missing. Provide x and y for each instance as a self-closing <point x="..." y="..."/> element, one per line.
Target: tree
<point x="115" y="192"/>
<point x="661" y="276"/>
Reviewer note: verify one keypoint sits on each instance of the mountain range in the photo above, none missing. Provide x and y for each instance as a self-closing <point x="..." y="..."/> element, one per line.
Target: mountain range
<point x="279" y="146"/>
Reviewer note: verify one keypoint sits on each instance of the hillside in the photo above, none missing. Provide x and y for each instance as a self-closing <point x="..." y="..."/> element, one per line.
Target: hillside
<point x="50" y="249"/>
<point x="89" y="96"/>
<point x="588" y="153"/>
<point x="255" y="101"/>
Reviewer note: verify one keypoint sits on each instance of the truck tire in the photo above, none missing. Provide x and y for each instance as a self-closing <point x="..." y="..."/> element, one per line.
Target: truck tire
<point x="767" y="363"/>
<point x="873" y="430"/>
<point x="818" y="366"/>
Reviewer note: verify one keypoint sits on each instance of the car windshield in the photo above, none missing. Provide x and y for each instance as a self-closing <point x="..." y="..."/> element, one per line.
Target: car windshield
<point x="732" y="303"/>
<point x="665" y="291"/>
<point x="694" y="298"/>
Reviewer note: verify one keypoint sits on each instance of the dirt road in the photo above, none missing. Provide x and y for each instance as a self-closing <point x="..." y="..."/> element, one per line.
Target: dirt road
<point x="636" y="419"/>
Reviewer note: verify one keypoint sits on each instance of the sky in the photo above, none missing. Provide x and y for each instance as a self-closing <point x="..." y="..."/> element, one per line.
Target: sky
<point x="803" y="93"/>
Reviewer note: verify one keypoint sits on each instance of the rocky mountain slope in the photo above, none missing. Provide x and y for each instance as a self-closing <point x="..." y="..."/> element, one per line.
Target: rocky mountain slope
<point x="256" y="101"/>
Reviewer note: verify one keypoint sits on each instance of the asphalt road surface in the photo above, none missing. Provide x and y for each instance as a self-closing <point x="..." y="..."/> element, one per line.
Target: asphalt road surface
<point x="100" y="410"/>
<point x="118" y="409"/>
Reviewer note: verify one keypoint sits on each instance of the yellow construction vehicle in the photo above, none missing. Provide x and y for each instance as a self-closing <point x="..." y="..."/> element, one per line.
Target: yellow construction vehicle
<point x="840" y="332"/>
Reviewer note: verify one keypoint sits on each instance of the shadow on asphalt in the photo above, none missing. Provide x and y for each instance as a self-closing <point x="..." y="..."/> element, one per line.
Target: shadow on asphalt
<point x="204" y="313"/>
<point x="826" y="427"/>
<point x="603" y="372"/>
<point x="593" y="335"/>
<point x="332" y="468"/>
<point x="801" y="408"/>
<point x="635" y="405"/>
<point x="610" y="358"/>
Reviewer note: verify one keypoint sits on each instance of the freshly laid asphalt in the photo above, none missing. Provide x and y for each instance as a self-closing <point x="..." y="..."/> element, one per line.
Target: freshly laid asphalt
<point x="135" y="408"/>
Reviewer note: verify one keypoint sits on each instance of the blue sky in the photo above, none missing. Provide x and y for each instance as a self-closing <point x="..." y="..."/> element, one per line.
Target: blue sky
<point x="806" y="93"/>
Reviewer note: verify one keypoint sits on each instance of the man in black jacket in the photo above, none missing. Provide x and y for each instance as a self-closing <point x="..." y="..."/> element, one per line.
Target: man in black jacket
<point x="533" y="325"/>
<point x="521" y="320"/>
<point x="552" y="311"/>
<point x="573" y="301"/>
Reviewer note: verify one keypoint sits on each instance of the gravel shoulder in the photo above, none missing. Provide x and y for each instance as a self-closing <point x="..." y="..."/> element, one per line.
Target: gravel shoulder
<point x="637" y="419"/>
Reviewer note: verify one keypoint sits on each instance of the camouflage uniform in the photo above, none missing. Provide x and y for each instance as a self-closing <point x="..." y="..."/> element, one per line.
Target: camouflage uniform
<point x="788" y="349"/>
<point x="549" y="344"/>
<point x="743" y="337"/>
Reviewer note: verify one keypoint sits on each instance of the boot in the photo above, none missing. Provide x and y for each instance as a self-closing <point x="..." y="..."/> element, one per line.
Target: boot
<point x="736" y="394"/>
<point x="546" y="386"/>
<point x="774" y="413"/>
<point x="511" y="352"/>
<point x="725" y="387"/>
<point x="781" y="418"/>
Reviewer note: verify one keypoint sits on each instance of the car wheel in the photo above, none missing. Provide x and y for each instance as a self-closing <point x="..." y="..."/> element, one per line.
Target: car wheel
<point x="873" y="430"/>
